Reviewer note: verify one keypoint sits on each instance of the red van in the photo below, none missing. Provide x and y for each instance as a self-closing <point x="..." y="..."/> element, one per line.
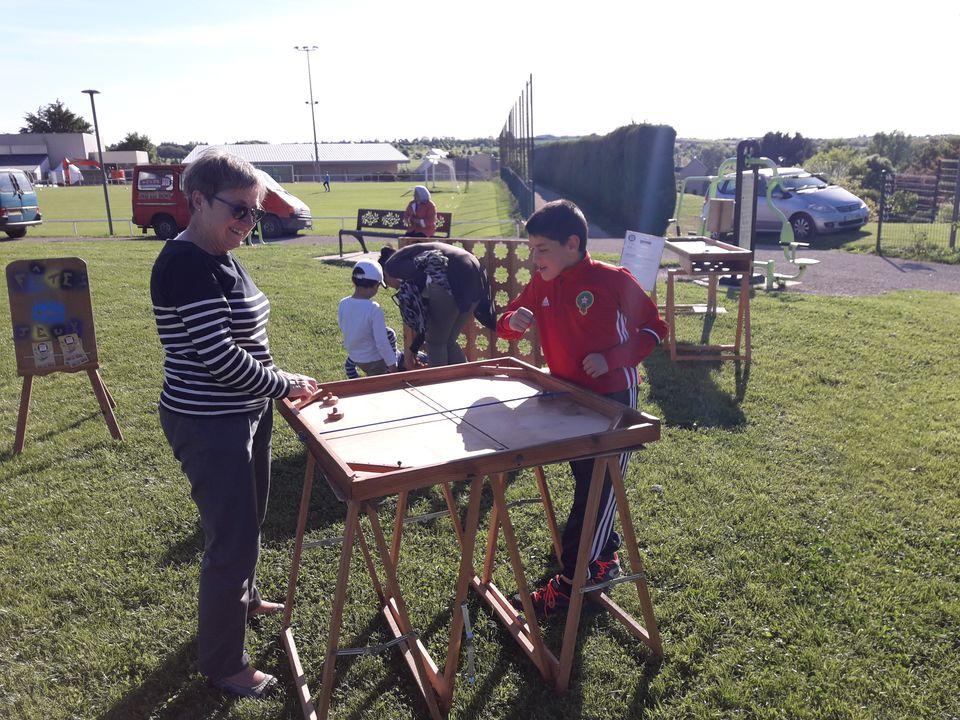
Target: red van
<point x="159" y="203"/>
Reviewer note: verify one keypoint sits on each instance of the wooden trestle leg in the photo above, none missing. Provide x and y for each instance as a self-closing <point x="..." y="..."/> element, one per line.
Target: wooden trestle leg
<point x="528" y="635"/>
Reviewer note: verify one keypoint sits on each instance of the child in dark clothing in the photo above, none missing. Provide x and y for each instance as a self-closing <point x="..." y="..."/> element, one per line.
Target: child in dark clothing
<point x="596" y="325"/>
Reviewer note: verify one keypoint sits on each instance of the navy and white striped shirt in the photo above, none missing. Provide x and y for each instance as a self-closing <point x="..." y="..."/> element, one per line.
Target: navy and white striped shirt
<point x="212" y="321"/>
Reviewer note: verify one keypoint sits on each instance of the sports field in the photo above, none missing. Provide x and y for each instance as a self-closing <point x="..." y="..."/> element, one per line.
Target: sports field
<point x="480" y="209"/>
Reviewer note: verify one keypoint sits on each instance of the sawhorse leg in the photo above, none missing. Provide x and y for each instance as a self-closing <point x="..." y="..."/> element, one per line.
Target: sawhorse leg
<point x="286" y="635"/>
<point x="743" y="320"/>
<point x="436" y="688"/>
<point x="525" y="632"/>
<point x="106" y="403"/>
<point x="649" y="634"/>
<point x="527" y="635"/>
<point x="23" y="415"/>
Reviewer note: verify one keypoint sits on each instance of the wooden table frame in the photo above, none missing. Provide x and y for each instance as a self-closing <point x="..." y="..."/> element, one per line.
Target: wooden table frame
<point x="710" y="259"/>
<point x="527" y="635"/>
<point x="359" y="485"/>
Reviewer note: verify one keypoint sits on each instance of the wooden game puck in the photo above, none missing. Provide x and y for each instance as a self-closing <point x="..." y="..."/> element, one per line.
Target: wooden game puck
<point x="333" y="415"/>
<point x="328" y="398"/>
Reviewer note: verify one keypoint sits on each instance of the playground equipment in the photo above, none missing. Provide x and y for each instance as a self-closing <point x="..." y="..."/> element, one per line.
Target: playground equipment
<point x="746" y="165"/>
<point x="779" y="281"/>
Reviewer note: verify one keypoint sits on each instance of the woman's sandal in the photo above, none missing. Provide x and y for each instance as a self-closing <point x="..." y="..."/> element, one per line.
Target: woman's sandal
<point x="265" y="608"/>
<point x="258" y="691"/>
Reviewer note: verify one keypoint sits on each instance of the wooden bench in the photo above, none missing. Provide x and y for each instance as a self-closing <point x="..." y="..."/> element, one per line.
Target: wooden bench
<point x="388" y="224"/>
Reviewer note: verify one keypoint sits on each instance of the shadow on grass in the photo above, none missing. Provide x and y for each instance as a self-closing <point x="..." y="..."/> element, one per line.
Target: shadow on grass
<point x="186" y="549"/>
<point x="280" y="524"/>
<point x="53" y="432"/>
<point x="173" y="691"/>
<point x="688" y="396"/>
<point x="326" y="511"/>
<point x="286" y="489"/>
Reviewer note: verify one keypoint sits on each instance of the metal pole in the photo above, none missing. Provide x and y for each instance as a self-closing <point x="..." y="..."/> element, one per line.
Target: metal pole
<point x="103" y="171"/>
<point x="882" y="209"/>
<point x="956" y="208"/>
<point x="530" y="151"/>
<point x="313" y="115"/>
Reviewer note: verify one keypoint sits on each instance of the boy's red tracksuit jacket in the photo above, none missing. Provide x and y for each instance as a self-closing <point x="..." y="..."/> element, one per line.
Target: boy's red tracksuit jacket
<point x="591" y="307"/>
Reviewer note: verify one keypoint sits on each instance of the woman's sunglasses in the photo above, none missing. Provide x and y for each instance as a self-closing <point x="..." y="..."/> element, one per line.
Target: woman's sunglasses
<point x="239" y="212"/>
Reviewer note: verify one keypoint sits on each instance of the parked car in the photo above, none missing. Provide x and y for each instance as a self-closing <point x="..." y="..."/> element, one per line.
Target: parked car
<point x="159" y="203"/>
<point x="19" y="208"/>
<point x="811" y="204"/>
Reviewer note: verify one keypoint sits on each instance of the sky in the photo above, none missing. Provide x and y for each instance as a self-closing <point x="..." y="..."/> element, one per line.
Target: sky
<point x="220" y="72"/>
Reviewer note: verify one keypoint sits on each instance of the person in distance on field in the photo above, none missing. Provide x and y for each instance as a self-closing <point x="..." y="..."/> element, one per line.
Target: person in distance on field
<point x="421" y="214"/>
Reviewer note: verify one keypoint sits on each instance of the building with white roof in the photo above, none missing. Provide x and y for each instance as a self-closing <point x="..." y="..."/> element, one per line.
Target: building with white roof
<point x="292" y="162"/>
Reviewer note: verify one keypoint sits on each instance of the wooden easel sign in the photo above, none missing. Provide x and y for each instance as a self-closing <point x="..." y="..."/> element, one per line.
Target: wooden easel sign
<point x="53" y="330"/>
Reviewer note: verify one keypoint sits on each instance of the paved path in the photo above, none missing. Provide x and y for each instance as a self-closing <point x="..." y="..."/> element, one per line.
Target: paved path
<point x="845" y="273"/>
<point x="838" y="273"/>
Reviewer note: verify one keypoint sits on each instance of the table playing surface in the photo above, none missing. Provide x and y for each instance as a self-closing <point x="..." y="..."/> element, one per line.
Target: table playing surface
<point x="418" y="425"/>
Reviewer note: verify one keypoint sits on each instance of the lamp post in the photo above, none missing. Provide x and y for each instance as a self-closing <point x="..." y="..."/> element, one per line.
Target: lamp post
<point x="103" y="172"/>
<point x="313" y="116"/>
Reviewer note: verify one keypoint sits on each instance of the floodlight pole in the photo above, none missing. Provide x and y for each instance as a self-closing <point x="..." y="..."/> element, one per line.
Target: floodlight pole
<point x="313" y="116"/>
<point x="103" y="171"/>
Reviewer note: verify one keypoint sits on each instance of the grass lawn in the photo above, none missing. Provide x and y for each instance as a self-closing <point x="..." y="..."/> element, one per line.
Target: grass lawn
<point x="485" y="209"/>
<point x="800" y="525"/>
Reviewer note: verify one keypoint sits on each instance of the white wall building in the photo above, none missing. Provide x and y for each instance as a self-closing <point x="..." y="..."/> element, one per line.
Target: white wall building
<point x="293" y="162"/>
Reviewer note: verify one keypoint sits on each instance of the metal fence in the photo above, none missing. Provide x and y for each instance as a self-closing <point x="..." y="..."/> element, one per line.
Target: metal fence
<point x="920" y="213"/>
<point x="324" y="225"/>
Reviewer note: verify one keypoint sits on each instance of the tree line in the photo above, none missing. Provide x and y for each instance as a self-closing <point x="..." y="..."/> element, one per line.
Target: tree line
<point x="855" y="162"/>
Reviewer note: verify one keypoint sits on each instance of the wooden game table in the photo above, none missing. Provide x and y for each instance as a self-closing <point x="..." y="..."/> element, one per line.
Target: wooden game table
<point x="710" y="260"/>
<point x="395" y="433"/>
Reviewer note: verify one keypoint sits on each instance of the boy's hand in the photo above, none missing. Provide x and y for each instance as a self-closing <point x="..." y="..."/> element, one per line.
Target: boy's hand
<point x="521" y="320"/>
<point x="595" y="365"/>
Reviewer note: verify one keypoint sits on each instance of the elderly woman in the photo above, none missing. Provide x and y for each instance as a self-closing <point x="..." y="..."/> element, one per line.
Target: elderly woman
<point x="215" y="404"/>
<point x="441" y="287"/>
<point x="421" y="214"/>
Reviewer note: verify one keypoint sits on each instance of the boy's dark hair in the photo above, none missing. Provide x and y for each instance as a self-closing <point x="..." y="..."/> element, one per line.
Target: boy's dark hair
<point x="558" y="220"/>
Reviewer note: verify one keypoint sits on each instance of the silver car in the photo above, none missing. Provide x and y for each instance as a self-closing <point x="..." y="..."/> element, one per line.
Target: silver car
<point x="810" y="203"/>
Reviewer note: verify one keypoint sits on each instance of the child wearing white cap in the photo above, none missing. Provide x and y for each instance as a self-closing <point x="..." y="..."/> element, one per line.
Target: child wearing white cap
<point x="366" y="336"/>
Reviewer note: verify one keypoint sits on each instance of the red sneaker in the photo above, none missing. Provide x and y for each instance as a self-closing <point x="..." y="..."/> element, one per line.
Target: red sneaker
<point x="605" y="568"/>
<point x="552" y="599"/>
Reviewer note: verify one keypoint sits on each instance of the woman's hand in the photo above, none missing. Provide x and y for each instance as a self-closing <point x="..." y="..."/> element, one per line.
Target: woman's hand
<point x="301" y="386"/>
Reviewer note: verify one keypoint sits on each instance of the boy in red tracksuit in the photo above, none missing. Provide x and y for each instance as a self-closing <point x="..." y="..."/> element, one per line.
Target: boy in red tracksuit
<point x="596" y="325"/>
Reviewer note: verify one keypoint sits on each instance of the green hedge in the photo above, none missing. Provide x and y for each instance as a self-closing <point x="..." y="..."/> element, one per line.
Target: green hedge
<point x="625" y="179"/>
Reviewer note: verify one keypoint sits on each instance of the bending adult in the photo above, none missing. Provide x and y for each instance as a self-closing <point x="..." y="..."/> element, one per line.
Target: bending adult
<point x="215" y="407"/>
<point x="440" y="287"/>
<point x="421" y="214"/>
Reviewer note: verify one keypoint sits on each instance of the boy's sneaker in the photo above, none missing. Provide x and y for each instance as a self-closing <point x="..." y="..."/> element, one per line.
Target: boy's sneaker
<point x="604" y="568"/>
<point x="552" y="599"/>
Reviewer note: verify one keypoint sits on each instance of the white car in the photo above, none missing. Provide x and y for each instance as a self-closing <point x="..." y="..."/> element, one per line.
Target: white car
<point x="810" y="203"/>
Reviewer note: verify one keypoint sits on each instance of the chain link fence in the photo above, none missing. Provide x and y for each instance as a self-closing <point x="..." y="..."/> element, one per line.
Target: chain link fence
<point x="919" y="213"/>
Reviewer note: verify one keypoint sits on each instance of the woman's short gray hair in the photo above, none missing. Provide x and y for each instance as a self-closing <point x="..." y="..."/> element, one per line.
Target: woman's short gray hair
<point x="215" y="171"/>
